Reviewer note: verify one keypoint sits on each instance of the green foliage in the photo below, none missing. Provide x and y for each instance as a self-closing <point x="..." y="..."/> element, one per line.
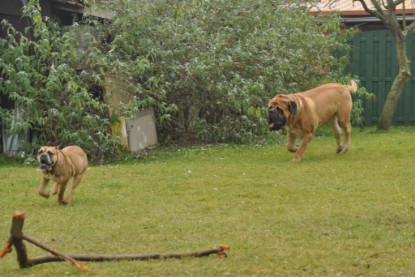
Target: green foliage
<point x="39" y="73"/>
<point x="208" y="68"/>
<point x="358" y="105"/>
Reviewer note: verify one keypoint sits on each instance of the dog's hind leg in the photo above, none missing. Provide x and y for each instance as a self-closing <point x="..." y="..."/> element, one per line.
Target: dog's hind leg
<point x="344" y="122"/>
<point x="347" y="127"/>
<point x="76" y="181"/>
<point x="337" y="131"/>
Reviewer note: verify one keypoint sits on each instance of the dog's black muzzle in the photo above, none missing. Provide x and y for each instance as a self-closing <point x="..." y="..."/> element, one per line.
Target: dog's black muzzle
<point x="276" y="119"/>
<point x="45" y="161"/>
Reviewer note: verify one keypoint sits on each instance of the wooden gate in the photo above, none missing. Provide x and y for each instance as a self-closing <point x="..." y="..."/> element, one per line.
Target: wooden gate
<point x="373" y="59"/>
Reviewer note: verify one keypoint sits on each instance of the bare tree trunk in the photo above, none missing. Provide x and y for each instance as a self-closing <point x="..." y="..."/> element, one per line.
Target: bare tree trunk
<point x="398" y="86"/>
<point x="385" y="10"/>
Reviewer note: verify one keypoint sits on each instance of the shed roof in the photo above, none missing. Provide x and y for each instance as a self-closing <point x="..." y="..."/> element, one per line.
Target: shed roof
<point x="353" y="8"/>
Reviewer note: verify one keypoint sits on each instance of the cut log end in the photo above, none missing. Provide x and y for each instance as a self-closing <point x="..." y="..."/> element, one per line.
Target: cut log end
<point x="82" y="267"/>
<point x="19" y="214"/>
<point x="6" y="249"/>
<point x="225" y="247"/>
<point x="222" y="249"/>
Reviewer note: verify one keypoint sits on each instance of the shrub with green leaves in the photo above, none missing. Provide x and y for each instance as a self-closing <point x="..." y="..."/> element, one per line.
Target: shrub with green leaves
<point x="207" y="69"/>
<point x="215" y="64"/>
<point x="51" y="95"/>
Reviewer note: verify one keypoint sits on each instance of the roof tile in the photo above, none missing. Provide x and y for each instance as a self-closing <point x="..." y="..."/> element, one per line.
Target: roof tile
<point x="352" y="8"/>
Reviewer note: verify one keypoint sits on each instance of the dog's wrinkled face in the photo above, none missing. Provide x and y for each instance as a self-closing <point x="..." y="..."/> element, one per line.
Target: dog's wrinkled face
<point x="280" y="109"/>
<point x="47" y="157"/>
<point x="276" y="119"/>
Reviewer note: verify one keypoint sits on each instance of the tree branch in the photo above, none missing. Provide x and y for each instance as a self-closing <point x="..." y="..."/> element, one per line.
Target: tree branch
<point x="103" y="258"/>
<point x="16" y="233"/>
<point x="391" y="8"/>
<point x="59" y="255"/>
<point x="398" y="2"/>
<point x="6" y="249"/>
<point x="411" y="27"/>
<point x="17" y="237"/>
<point x="377" y="12"/>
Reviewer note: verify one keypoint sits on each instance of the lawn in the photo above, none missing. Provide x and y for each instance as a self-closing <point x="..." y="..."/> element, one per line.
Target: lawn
<point x="329" y="215"/>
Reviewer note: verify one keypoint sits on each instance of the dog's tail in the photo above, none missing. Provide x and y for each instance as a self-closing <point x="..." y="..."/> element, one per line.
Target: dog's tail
<point x="352" y="87"/>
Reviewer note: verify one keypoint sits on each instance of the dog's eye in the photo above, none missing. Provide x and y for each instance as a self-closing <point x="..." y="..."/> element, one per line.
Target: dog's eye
<point x="50" y="152"/>
<point x="279" y="110"/>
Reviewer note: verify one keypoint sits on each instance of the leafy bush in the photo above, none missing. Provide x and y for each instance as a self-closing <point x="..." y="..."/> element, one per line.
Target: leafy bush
<point x="51" y="95"/>
<point x="207" y="69"/>
<point x="213" y="65"/>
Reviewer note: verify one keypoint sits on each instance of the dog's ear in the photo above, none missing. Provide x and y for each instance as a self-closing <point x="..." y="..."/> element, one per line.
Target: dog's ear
<point x="292" y="107"/>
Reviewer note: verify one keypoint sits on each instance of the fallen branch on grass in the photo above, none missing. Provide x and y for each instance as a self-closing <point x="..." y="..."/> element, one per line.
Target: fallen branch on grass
<point x="17" y="237"/>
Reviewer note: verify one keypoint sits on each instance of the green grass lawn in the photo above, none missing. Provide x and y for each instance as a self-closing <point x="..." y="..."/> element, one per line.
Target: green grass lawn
<point x="329" y="215"/>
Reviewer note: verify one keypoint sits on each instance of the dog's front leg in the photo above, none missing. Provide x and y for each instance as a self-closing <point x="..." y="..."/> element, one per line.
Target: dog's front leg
<point x="42" y="189"/>
<point x="54" y="188"/>
<point x="62" y="188"/>
<point x="303" y="146"/>
<point x="291" y="143"/>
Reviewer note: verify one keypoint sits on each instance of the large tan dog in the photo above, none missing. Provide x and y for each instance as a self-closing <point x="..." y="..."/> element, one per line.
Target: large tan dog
<point x="301" y="113"/>
<point x="60" y="166"/>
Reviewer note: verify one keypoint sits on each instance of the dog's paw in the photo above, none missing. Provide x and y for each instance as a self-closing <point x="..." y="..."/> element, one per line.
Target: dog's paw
<point x="342" y="149"/>
<point x="63" y="203"/>
<point x="44" y="194"/>
<point x="292" y="149"/>
<point x="296" y="159"/>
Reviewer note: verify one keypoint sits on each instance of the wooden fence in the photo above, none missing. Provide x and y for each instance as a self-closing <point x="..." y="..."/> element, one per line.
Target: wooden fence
<point x="373" y="59"/>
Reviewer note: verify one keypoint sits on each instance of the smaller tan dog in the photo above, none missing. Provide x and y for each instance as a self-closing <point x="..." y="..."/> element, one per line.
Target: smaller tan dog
<point x="60" y="166"/>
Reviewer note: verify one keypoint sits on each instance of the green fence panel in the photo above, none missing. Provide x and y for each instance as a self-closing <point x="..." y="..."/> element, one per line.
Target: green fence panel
<point x="373" y="59"/>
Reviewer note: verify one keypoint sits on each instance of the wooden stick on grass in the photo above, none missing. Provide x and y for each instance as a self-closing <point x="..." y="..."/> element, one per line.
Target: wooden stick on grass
<point x="17" y="237"/>
<point x="59" y="255"/>
<point x="6" y="249"/>
<point x="102" y="258"/>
